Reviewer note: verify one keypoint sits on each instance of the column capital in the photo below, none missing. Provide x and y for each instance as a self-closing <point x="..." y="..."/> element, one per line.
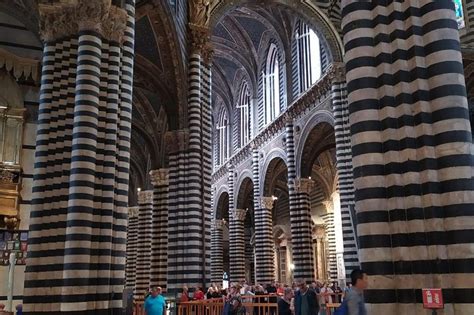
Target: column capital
<point x="176" y="140"/>
<point x="329" y="206"/>
<point x="201" y="41"/>
<point x="267" y="202"/>
<point x="62" y="18"/>
<point x="133" y="212"/>
<point x="337" y="71"/>
<point x="159" y="177"/>
<point x="145" y="196"/>
<point x="303" y="185"/>
<point x="218" y="224"/>
<point x="239" y="214"/>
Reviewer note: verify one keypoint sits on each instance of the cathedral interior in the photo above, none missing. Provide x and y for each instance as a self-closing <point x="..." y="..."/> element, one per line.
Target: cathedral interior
<point x="169" y="142"/>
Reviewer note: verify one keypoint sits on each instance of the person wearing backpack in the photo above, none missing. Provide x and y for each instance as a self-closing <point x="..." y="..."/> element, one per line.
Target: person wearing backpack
<point x="353" y="303"/>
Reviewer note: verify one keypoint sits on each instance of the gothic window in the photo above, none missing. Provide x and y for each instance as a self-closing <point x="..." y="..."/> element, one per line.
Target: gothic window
<point x="271" y="85"/>
<point x="223" y="134"/>
<point x="244" y="105"/>
<point x="308" y="56"/>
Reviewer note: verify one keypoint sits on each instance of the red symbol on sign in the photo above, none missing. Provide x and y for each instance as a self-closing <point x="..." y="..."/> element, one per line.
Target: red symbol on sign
<point x="432" y="298"/>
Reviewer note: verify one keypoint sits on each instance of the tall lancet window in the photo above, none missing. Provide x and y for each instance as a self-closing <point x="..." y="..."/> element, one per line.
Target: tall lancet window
<point x="309" y="56"/>
<point x="272" y="85"/>
<point x="223" y="134"/>
<point x="244" y="105"/>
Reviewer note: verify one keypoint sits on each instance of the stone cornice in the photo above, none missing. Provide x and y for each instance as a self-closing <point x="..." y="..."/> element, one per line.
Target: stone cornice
<point x="62" y="19"/>
<point x="299" y="107"/>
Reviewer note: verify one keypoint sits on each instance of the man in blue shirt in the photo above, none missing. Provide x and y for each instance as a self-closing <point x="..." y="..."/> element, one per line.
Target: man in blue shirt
<point x="155" y="303"/>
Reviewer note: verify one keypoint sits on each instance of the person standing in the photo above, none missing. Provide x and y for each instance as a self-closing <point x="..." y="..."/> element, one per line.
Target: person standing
<point x="355" y="297"/>
<point x="284" y="303"/>
<point x="155" y="303"/>
<point x="306" y="300"/>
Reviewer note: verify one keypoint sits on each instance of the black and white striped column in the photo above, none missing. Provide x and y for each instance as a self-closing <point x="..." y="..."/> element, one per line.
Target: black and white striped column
<point x="300" y="213"/>
<point x="190" y="170"/>
<point x="132" y="242"/>
<point x="217" y="251"/>
<point x="264" y="244"/>
<point x="328" y="219"/>
<point x="237" y="246"/>
<point x="142" y="282"/>
<point x="78" y="226"/>
<point x="159" y="233"/>
<point x="345" y="175"/>
<point x="301" y="228"/>
<point x="412" y="153"/>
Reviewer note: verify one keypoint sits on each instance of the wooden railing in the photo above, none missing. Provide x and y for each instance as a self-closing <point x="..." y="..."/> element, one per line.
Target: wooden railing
<point x="254" y="304"/>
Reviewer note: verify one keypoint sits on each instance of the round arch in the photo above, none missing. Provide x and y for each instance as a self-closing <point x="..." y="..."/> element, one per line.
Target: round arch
<point x="218" y="195"/>
<point x="273" y="154"/>
<point x="310" y="13"/>
<point x="322" y="116"/>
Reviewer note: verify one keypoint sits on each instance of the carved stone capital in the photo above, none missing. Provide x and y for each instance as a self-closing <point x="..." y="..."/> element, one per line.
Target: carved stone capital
<point x="267" y="202"/>
<point x="12" y="223"/>
<point x="62" y="19"/>
<point x="201" y="42"/>
<point x="133" y="212"/>
<point x="145" y="197"/>
<point x="329" y="206"/>
<point x="218" y="224"/>
<point x="176" y="141"/>
<point x="114" y="27"/>
<point x="337" y="72"/>
<point x="239" y="214"/>
<point x="159" y="177"/>
<point x="303" y="185"/>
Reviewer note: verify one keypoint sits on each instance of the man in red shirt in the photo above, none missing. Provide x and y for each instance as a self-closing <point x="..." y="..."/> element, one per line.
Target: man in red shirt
<point x="198" y="294"/>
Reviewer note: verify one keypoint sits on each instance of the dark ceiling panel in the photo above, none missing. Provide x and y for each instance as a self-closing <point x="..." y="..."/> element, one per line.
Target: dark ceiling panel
<point x="145" y="44"/>
<point x="254" y="28"/>
<point x="228" y="66"/>
<point x="221" y="31"/>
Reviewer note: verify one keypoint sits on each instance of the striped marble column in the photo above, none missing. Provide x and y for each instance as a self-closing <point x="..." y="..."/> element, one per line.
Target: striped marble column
<point x="412" y="153"/>
<point x="264" y="244"/>
<point x="132" y="242"/>
<point x="344" y="172"/>
<point x="142" y="283"/>
<point x="78" y="225"/>
<point x="301" y="225"/>
<point x="328" y="219"/>
<point x="159" y="231"/>
<point x="190" y="238"/>
<point x="237" y="246"/>
<point x="217" y="251"/>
